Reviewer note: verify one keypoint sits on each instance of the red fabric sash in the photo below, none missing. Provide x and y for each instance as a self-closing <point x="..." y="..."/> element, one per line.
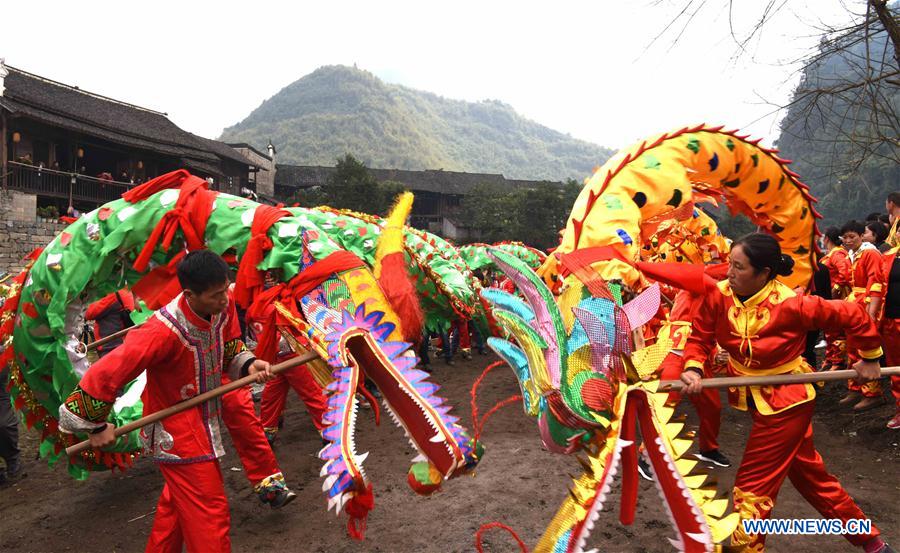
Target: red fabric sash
<point x="249" y="280"/>
<point x="190" y="214"/>
<point x="160" y="286"/>
<point x="288" y="293"/>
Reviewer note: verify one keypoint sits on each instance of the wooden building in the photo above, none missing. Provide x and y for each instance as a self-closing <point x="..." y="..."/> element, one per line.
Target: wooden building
<point x="73" y="147"/>
<point x="438" y="193"/>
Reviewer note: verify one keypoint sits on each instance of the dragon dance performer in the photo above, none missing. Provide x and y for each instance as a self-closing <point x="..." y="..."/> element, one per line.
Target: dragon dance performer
<point x="762" y="324"/>
<point x="188" y="347"/>
<point x="274" y="396"/>
<point x="112" y="313"/>
<point x="866" y="290"/>
<point x="837" y="261"/>
<point x="890" y="324"/>
<point x="708" y="402"/>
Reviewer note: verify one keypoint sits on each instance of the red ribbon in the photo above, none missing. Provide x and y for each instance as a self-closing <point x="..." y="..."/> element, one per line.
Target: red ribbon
<point x="190" y="214"/>
<point x="249" y="280"/>
<point x="287" y="293"/>
<point x="160" y="286"/>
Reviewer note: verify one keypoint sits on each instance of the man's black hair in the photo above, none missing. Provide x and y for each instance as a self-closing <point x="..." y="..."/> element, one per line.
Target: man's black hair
<point x="894" y="198"/>
<point x="873" y="216"/>
<point x="853" y="226"/>
<point x="201" y="270"/>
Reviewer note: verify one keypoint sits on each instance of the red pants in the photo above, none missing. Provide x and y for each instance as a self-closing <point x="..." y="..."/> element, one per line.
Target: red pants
<point x="462" y="328"/>
<point x="836" y="348"/>
<point x="247" y="435"/>
<point x="708" y="403"/>
<point x="275" y="395"/>
<point x="781" y="446"/>
<point x="890" y="336"/>
<point x="192" y="510"/>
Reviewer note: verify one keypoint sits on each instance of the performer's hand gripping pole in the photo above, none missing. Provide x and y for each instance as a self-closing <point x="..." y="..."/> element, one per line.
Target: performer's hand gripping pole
<point x="197" y="400"/>
<point x="727" y="382"/>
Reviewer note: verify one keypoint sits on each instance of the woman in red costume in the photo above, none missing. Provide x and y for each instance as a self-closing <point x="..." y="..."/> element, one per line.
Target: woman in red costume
<point x="762" y="324"/>
<point x="866" y="280"/>
<point x="837" y="261"/>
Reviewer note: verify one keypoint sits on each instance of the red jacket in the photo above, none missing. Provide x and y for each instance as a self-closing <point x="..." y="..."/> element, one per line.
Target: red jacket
<point x="766" y="335"/>
<point x="184" y="355"/>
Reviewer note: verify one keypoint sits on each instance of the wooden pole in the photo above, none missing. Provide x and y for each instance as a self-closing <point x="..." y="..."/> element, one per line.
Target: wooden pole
<point x="111" y="337"/>
<point x="726" y="382"/>
<point x="196" y="400"/>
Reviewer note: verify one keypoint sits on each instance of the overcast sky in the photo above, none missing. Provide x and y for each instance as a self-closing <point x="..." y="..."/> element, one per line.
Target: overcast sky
<point x="591" y="69"/>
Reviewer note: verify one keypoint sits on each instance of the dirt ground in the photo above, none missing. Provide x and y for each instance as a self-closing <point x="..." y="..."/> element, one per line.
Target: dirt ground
<point x="517" y="483"/>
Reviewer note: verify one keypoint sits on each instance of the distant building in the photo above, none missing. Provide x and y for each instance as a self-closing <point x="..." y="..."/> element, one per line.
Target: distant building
<point x="262" y="177"/>
<point x="72" y="147"/>
<point x="438" y="193"/>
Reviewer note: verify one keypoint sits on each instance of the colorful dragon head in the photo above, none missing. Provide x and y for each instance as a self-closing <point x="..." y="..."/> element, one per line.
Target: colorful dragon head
<point x="580" y="378"/>
<point x="349" y="316"/>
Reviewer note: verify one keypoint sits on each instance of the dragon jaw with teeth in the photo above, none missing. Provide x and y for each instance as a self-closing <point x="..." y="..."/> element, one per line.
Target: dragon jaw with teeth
<point x="594" y="400"/>
<point x="365" y="342"/>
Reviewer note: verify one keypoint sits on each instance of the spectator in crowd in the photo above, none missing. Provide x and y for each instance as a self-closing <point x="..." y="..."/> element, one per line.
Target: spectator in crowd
<point x="892" y="205"/>
<point x="876" y="234"/>
<point x="9" y="433"/>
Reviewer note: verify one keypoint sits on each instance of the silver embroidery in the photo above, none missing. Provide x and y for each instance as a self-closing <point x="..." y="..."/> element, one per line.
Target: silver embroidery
<point x="157" y="442"/>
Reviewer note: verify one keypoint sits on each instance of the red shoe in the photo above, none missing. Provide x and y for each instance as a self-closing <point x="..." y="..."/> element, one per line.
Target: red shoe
<point x="894" y="423"/>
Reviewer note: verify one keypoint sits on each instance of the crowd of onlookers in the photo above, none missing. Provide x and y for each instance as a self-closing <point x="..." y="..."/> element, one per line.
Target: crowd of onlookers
<point x="860" y="265"/>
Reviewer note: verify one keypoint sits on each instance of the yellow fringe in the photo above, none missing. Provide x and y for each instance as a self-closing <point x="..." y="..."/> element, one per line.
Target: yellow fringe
<point x="391" y="240"/>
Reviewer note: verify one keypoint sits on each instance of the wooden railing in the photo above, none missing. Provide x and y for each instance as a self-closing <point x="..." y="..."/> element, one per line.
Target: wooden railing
<point x="59" y="184"/>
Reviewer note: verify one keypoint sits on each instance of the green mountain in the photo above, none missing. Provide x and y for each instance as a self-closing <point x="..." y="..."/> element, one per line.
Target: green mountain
<point x="842" y="136"/>
<point x="337" y="110"/>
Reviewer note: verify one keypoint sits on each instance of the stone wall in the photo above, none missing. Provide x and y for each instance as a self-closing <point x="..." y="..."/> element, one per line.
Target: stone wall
<point x="20" y="229"/>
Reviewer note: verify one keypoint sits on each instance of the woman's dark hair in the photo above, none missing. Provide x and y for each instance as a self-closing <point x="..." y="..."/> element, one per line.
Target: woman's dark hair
<point x="764" y="252"/>
<point x="885" y="218"/>
<point x="878" y="230"/>
<point x="200" y="270"/>
<point x="833" y="234"/>
<point x="853" y="226"/>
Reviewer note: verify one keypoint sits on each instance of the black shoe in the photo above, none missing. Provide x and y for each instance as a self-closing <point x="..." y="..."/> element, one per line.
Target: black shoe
<point x="644" y="469"/>
<point x="715" y="457"/>
<point x="14" y="471"/>
<point x="449" y="361"/>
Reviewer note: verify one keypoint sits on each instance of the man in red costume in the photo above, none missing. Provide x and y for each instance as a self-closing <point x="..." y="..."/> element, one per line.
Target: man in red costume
<point x="275" y="393"/>
<point x="866" y="290"/>
<point x="708" y="403"/>
<point x="111" y="314"/>
<point x="837" y="261"/>
<point x="762" y="324"/>
<point x="187" y="347"/>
